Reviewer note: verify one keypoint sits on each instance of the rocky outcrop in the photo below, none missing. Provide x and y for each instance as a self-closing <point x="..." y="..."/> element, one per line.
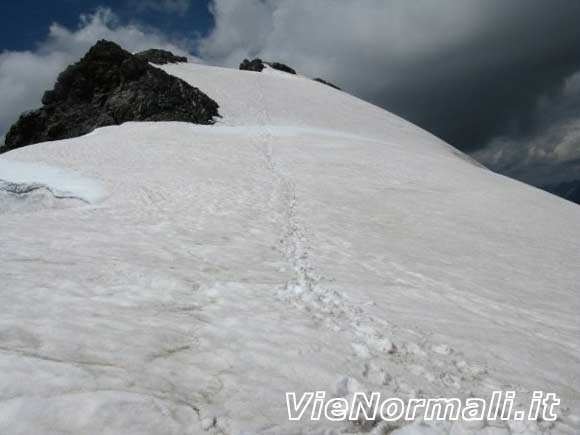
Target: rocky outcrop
<point x="281" y="67"/>
<point x="319" y="80"/>
<point x="160" y="57"/>
<point x="109" y="86"/>
<point x="258" y="65"/>
<point x="255" y="65"/>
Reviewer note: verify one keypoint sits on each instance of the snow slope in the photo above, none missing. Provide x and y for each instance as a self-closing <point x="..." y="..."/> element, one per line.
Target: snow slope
<point x="308" y="241"/>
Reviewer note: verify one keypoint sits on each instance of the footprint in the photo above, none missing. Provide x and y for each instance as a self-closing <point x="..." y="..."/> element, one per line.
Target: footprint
<point x="442" y="349"/>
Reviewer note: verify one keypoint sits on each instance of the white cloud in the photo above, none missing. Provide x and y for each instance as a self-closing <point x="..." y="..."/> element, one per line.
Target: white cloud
<point x="25" y="75"/>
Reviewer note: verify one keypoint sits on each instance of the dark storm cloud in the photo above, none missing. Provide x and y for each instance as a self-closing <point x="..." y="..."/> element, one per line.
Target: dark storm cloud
<point x="549" y="151"/>
<point x="489" y="85"/>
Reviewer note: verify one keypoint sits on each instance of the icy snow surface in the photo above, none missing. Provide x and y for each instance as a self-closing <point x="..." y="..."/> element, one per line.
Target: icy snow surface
<point x="308" y="241"/>
<point x="26" y="187"/>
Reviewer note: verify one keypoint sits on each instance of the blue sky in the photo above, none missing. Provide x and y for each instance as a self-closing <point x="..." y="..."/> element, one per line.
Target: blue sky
<point x="24" y="23"/>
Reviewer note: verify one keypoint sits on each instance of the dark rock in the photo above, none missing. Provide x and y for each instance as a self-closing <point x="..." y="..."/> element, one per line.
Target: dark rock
<point x="258" y="65"/>
<point x="281" y="67"/>
<point x="255" y="65"/>
<point x="160" y="57"/>
<point x="109" y="86"/>
<point x="327" y="83"/>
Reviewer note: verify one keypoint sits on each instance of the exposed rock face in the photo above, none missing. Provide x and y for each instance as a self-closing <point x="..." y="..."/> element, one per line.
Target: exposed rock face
<point x="160" y="57"/>
<point x="255" y="65"/>
<point x="258" y="65"/>
<point x="319" y="80"/>
<point x="281" y="67"/>
<point x="109" y="86"/>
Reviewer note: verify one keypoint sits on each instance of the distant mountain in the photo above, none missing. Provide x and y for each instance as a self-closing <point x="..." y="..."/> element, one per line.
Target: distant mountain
<point x="569" y="190"/>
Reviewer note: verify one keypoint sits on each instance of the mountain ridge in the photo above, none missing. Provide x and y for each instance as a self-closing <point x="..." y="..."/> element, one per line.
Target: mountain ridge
<point x="306" y="241"/>
<point x="109" y="86"/>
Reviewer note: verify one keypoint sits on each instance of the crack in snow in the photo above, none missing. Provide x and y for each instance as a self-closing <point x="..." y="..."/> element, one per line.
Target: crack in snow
<point x="27" y="188"/>
<point x="38" y="356"/>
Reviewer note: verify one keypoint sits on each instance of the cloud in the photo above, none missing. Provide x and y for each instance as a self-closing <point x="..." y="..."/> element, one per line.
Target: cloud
<point x="25" y="75"/>
<point x="469" y="71"/>
<point x="553" y="141"/>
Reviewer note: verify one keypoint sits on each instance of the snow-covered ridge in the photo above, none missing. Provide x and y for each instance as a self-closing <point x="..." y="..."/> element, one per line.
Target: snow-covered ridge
<point x="308" y="241"/>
